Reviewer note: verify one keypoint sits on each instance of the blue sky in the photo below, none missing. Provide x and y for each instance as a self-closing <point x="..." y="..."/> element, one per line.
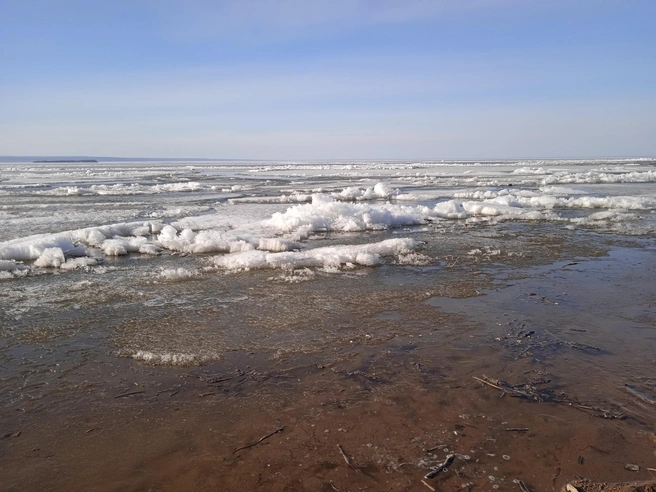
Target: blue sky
<point x="340" y="79"/>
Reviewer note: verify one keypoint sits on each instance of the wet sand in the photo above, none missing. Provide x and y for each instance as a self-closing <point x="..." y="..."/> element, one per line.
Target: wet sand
<point x="389" y="397"/>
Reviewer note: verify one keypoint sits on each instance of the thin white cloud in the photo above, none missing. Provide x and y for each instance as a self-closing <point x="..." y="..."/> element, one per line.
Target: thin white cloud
<point x="265" y="19"/>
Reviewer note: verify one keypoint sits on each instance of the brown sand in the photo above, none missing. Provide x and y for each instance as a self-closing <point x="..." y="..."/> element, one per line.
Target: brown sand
<point x="394" y="415"/>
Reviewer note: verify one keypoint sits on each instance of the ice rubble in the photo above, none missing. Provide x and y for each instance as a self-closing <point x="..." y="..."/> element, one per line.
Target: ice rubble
<point x="331" y="258"/>
<point x="127" y="189"/>
<point x="535" y="177"/>
<point x="276" y="242"/>
<point x="530" y="170"/>
<point x="177" y="273"/>
<point x="596" y="177"/>
<point x="550" y="198"/>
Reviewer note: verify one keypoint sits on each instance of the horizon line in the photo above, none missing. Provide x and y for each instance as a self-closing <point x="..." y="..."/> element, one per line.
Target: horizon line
<point x="351" y="159"/>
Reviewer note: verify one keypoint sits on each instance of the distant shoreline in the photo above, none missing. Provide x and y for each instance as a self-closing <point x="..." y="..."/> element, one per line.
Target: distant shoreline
<point x="64" y="161"/>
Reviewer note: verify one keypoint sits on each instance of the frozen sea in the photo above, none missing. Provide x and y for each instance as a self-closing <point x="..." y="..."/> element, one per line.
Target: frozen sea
<point x="217" y="301"/>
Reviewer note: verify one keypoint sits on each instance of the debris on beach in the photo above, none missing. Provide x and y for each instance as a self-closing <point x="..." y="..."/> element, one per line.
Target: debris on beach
<point x="536" y="342"/>
<point x="443" y="467"/>
<point x="280" y="429"/>
<point x="586" y="485"/>
<point x="348" y="461"/>
<point x="531" y="393"/>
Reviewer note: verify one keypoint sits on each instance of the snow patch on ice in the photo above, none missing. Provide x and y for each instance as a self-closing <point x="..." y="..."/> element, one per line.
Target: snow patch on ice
<point x="295" y="276"/>
<point x="127" y="189"/>
<point x="326" y="214"/>
<point x="414" y="259"/>
<point x="530" y="170"/>
<point x="50" y="257"/>
<point x="292" y="198"/>
<point x="177" y="273"/>
<point x="596" y="177"/>
<point x="379" y="191"/>
<point x="166" y="358"/>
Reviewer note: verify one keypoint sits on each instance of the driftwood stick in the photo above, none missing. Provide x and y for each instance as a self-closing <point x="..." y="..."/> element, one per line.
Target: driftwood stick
<point x="427" y="485"/>
<point x="485" y="381"/>
<point x="260" y="439"/>
<point x="130" y="393"/>
<point x="599" y="412"/>
<point x="523" y="486"/>
<point x="346" y="458"/>
<point x="517" y="429"/>
<point x="216" y="381"/>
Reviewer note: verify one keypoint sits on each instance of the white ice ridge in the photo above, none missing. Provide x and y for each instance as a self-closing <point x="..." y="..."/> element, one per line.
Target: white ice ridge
<point x="377" y="192"/>
<point x="548" y="198"/>
<point x="380" y="191"/>
<point x="115" y="239"/>
<point x="533" y="177"/>
<point x="596" y="177"/>
<point x="326" y="214"/>
<point x="530" y="170"/>
<point x="331" y="258"/>
<point x="128" y="189"/>
<point x="291" y="198"/>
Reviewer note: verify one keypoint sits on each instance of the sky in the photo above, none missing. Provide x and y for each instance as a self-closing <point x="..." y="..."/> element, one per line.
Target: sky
<point x="319" y="79"/>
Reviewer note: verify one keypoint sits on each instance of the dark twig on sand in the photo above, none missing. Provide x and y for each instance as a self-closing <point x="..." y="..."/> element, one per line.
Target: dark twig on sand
<point x="332" y="485"/>
<point x="517" y="429"/>
<point x="130" y="393"/>
<point x="443" y="467"/>
<point x="260" y="440"/>
<point x="346" y="458"/>
<point x="218" y="380"/>
<point x="486" y="380"/>
<point x="597" y="411"/>
<point x="530" y="392"/>
<point x="523" y="486"/>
